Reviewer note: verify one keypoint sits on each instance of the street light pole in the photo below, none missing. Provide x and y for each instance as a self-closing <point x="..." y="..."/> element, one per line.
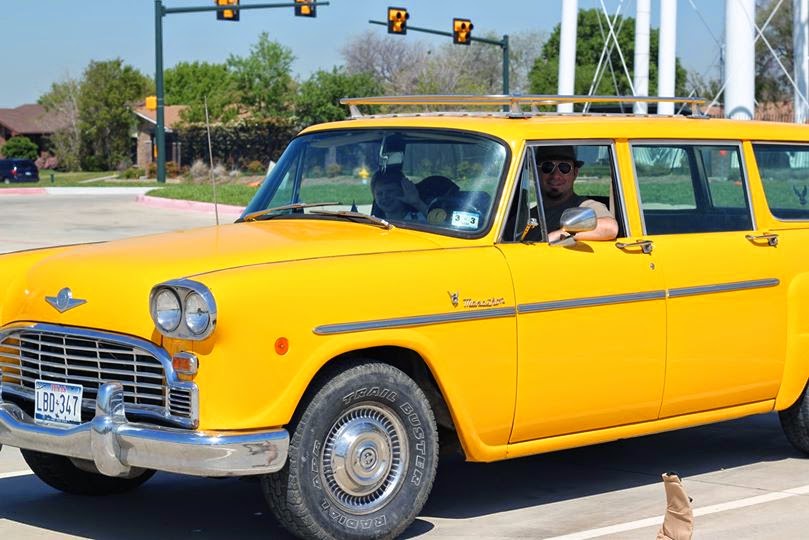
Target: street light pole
<point x="159" y="12"/>
<point x="160" y="129"/>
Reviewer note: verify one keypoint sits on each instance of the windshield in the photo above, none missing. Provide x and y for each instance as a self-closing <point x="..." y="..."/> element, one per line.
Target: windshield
<point x="437" y="180"/>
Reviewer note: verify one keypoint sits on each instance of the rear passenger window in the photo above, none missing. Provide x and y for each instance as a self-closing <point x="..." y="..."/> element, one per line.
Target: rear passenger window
<point x="784" y="170"/>
<point x="690" y="188"/>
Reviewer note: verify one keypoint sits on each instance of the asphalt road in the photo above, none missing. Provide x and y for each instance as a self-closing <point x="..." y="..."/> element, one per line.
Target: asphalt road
<point x="745" y="479"/>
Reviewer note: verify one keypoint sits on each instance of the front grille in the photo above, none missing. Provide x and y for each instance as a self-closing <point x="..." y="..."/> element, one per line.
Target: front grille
<point x="91" y="359"/>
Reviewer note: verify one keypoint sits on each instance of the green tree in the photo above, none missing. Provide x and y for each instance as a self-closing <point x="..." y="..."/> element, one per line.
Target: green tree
<point x="263" y="80"/>
<point x="62" y="101"/>
<point x="190" y="83"/>
<point x="108" y="91"/>
<point x="319" y="96"/>
<point x="592" y="32"/>
<point x="20" y="147"/>
<point x="772" y="83"/>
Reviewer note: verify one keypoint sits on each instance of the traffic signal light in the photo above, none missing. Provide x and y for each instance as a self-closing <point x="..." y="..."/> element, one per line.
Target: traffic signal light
<point x="227" y="14"/>
<point x="304" y="9"/>
<point x="397" y="20"/>
<point x="462" y="31"/>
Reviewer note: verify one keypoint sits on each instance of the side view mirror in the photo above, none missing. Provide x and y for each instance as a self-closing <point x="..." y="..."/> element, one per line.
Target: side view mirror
<point x="575" y="220"/>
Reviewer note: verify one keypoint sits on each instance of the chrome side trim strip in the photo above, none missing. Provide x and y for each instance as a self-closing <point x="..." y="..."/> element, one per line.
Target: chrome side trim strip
<point x="724" y="287"/>
<point x="591" y="301"/>
<point x="403" y="322"/>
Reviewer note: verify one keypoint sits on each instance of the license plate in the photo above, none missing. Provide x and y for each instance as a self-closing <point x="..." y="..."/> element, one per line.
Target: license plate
<point x="58" y="403"/>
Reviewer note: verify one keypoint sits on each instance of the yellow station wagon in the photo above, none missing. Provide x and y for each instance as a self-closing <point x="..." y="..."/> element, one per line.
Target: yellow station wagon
<point x="347" y="325"/>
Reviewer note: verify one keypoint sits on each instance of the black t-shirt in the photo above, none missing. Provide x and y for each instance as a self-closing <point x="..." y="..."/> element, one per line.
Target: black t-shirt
<point x="553" y="215"/>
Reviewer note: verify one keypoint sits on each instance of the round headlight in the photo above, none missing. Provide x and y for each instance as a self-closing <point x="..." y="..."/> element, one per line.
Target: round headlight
<point x="197" y="313"/>
<point x="167" y="310"/>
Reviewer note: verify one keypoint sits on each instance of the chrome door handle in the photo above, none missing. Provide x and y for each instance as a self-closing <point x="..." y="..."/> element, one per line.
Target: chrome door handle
<point x="644" y="245"/>
<point x="771" y="238"/>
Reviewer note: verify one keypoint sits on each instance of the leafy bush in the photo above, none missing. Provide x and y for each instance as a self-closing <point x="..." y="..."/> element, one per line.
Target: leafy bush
<point x="20" y="147"/>
<point x="255" y="167"/>
<point x="132" y="173"/>
<point x="333" y="169"/>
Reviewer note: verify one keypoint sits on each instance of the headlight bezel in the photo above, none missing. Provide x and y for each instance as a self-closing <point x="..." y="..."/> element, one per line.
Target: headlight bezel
<point x="183" y="289"/>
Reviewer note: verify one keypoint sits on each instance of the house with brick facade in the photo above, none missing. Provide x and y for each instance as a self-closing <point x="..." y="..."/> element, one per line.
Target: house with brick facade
<point x="146" y="152"/>
<point x="31" y="121"/>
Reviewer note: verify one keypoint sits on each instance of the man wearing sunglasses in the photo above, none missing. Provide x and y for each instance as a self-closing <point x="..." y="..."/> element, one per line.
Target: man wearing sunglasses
<point x="558" y="169"/>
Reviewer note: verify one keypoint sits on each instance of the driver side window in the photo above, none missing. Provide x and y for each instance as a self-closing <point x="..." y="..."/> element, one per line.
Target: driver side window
<point x="579" y="175"/>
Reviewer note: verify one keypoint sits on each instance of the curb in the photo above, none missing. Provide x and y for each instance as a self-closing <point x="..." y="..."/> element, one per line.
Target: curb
<point x="178" y="204"/>
<point x="24" y="191"/>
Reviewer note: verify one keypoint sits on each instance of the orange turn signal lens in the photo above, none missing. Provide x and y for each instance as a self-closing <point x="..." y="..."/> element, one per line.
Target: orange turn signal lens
<point x="185" y="363"/>
<point x="281" y="345"/>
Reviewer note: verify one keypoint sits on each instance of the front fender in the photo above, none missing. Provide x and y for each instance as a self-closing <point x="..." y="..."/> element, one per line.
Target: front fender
<point x="245" y="382"/>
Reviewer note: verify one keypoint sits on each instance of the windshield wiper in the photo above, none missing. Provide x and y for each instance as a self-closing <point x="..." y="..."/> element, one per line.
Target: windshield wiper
<point x="253" y="216"/>
<point x="356" y="216"/>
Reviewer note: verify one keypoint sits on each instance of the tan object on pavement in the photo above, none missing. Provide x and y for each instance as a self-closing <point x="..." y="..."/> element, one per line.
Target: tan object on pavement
<point x="678" y="523"/>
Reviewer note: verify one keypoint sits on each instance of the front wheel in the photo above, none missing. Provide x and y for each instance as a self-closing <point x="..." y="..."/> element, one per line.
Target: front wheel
<point x="795" y="422"/>
<point x="362" y="457"/>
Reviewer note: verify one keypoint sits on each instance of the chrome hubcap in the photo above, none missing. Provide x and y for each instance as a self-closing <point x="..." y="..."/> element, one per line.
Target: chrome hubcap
<point x="364" y="458"/>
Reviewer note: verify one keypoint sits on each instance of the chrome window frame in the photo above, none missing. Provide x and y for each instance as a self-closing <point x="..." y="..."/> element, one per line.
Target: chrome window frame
<point x="738" y="143"/>
<point x="758" y="169"/>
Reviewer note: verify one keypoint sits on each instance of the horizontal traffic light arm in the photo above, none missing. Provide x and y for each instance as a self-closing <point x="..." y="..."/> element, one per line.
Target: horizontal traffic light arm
<point x="240" y="7"/>
<point x="441" y="33"/>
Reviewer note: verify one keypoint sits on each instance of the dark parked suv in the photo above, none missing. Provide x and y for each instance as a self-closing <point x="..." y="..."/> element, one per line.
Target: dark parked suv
<point x="18" y="170"/>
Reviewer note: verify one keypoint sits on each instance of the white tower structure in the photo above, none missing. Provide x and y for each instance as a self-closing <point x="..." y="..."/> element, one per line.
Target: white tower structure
<point x="667" y="54"/>
<point x="740" y="59"/>
<point x="800" y="42"/>
<point x="567" y="52"/>
<point x="641" y="66"/>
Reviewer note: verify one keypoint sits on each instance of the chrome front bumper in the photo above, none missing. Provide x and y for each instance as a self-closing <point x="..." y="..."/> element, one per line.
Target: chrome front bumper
<point x="115" y="445"/>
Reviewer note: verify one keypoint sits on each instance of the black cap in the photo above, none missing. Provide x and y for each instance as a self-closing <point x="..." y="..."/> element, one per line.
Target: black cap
<point x="559" y="153"/>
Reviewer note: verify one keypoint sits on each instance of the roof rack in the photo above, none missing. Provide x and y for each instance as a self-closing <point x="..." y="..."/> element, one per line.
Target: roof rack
<point x="514" y="102"/>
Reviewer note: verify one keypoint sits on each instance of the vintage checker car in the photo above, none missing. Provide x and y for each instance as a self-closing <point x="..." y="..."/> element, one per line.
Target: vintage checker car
<point x="329" y="341"/>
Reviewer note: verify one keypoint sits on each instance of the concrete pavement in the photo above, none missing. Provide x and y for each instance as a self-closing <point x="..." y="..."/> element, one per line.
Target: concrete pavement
<point x="745" y="478"/>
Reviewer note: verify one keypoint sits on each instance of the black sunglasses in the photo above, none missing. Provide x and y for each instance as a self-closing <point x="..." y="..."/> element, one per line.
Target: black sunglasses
<point x="547" y="167"/>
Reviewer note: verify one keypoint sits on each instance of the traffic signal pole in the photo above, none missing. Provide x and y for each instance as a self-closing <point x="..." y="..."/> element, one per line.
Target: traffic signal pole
<point x="161" y="11"/>
<point x="503" y="44"/>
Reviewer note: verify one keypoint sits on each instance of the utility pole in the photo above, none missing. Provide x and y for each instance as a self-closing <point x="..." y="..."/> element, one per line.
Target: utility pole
<point x="161" y="11"/>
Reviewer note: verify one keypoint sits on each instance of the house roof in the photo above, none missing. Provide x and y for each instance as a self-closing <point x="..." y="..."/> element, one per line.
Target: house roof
<point x="31" y="119"/>
<point x="171" y="114"/>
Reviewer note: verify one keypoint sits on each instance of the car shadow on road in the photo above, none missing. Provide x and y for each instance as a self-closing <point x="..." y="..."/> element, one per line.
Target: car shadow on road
<point x="475" y="489"/>
<point x="171" y="506"/>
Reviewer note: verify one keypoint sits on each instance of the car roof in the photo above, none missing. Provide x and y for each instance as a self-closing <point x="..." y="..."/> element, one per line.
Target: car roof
<point x="523" y="118"/>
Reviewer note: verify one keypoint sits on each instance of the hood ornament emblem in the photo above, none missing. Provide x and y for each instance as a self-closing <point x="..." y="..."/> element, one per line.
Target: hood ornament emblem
<point x="64" y="300"/>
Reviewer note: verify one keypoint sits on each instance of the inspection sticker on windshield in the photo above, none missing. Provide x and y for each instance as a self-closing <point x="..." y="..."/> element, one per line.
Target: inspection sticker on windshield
<point x="58" y="403"/>
<point x="465" y="220"/>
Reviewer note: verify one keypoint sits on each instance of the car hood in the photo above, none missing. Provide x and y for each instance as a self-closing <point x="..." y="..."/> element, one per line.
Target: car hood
<point x="115" y="278"/>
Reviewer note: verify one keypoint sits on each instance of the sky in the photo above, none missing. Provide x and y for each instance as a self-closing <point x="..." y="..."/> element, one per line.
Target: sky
<point x="47" y="41"/>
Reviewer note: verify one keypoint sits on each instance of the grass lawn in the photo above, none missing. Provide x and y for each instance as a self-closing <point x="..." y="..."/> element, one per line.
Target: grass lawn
<point x="235" y="194"/>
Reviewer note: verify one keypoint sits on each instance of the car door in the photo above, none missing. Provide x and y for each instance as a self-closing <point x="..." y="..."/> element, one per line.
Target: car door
<point x="590" y="320"/>
<point x="726" y="310"/>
